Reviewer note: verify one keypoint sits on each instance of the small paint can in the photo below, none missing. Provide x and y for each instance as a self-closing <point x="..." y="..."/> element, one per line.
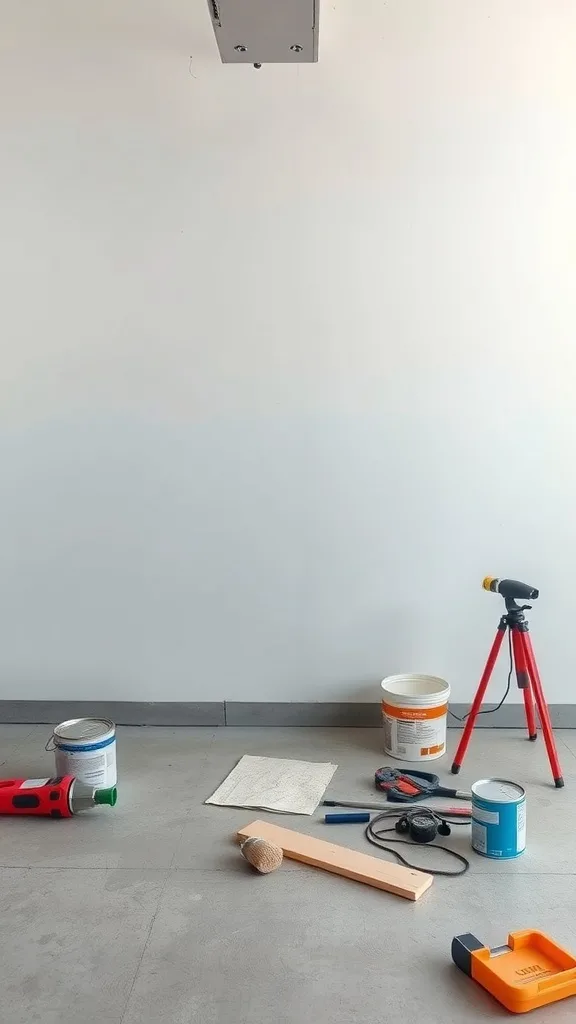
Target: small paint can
<point x="498" y="818"/>
<point x="86" y="748"/>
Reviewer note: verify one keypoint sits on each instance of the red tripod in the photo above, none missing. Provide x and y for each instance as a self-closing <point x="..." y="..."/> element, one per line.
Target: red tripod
<point x="527" y="676"/>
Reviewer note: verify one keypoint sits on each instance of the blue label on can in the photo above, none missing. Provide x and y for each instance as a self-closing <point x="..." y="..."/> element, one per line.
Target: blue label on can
<point x="498" y="818"/>
<point x="85" y="748"/>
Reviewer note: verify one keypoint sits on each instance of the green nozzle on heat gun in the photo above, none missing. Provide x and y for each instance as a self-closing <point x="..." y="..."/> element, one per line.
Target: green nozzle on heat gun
<point x="106" y="796"/>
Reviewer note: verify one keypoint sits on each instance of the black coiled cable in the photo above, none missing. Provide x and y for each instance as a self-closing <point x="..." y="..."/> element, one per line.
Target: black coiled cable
<point x="375" y="836"/>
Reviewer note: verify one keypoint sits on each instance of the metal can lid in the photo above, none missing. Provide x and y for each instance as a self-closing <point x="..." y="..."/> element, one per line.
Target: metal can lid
<point x="84" y="729"/>
<point x="500" y="791"/>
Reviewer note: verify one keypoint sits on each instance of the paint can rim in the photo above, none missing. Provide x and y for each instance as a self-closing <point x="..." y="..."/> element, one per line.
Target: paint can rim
<point x="84" y="730"/>
<point x="494" y="800"/>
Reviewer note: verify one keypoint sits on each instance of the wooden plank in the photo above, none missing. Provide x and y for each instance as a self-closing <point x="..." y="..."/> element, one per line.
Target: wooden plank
<point x="342" y="861"/>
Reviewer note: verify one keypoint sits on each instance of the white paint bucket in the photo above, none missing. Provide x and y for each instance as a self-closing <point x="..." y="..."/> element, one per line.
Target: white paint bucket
<point x="414" y="711"/>
<point x="86" y="748"/>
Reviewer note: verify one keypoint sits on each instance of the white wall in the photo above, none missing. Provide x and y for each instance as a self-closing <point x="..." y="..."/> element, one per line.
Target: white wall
<point x="288" y="357"/>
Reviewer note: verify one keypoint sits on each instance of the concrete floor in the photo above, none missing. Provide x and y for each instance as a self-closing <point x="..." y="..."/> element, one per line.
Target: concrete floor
<point x="147" y="913"/>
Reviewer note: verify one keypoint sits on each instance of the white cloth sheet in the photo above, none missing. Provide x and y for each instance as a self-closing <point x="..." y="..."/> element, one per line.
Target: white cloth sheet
<point x="274" y="784"/>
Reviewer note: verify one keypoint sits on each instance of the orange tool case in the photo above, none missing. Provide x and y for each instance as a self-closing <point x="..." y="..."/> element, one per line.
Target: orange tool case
<point x="530" y="971"/>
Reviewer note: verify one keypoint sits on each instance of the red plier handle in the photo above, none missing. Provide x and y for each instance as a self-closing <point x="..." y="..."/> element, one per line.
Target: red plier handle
<point x="393" y="781"/>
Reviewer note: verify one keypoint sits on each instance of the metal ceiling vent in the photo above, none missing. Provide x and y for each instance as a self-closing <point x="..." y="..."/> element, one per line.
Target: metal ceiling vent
<point x="266" y="31"/>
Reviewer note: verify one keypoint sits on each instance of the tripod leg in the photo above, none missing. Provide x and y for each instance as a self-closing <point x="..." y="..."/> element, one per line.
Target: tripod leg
<point x="482" y="687"/>
<point x="543" y="713"/>
<point x="523" y="679"/>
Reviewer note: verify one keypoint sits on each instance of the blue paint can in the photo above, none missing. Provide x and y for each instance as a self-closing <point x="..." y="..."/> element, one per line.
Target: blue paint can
<point x="498" y="818"/>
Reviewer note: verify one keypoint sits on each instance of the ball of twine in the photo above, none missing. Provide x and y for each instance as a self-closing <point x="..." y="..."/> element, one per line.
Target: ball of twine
<point x="262" y="855"/>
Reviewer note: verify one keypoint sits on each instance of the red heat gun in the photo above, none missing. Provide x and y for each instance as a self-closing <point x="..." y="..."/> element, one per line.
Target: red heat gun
<point x="53" y="798"/>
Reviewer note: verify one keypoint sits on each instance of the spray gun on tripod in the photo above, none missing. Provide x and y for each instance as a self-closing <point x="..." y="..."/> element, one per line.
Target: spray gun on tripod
<point x="523" y="660"/>
<point x="511" y="590"/>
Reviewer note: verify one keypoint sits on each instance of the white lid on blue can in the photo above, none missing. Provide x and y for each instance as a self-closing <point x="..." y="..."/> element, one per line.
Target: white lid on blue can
<point x="500" y="791"/>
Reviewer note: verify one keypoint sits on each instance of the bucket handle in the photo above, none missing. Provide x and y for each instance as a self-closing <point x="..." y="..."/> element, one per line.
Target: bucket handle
<point x="51" y="741"/>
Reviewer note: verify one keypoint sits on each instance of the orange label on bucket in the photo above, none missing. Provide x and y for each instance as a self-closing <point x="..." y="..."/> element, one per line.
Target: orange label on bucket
<point x="413" y="714"/>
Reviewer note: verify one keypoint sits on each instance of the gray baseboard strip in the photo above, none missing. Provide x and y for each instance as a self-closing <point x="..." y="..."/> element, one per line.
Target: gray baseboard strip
<point x="251" y="713"/>
<point x="127" y="712"/>
<point x="352" y="716"/>
<point x="510" y="716"/>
